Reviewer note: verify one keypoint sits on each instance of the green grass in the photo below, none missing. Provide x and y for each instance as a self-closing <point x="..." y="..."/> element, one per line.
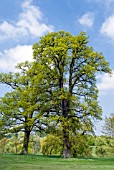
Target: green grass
<point x="38" y="162"/>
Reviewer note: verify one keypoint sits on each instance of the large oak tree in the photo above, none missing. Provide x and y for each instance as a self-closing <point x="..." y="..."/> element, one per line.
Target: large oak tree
<point x="71" y="67"/>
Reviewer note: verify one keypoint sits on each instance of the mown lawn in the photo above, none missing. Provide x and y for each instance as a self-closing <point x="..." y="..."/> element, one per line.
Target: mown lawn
<point x="34" y="162"/>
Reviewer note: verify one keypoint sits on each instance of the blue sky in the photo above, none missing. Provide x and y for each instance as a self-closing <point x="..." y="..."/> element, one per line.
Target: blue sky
<point x="22" y="22"/>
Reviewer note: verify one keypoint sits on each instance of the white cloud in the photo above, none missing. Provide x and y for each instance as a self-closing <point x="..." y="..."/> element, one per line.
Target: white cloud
<point x="87" y="19"/>
<point x="30" y="22"/>
<point x="106" y="82"/>
<point x="9" y="58"/>
<point x="107" y="27"/>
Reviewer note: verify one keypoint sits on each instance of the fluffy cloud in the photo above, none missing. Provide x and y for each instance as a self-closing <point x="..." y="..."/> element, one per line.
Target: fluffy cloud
<point x="87" y="19"/>
<point x="10" y="58"/>
<point x="106" y="83"/>
<point x="30" y="22"/>
<point x="107" y="27"/>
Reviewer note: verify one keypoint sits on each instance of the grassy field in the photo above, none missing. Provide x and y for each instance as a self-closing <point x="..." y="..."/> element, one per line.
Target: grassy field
<point x="34" y="162"/>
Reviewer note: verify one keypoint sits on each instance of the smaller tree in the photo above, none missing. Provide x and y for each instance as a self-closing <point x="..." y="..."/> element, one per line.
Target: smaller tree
<point x="22" y="109"/>
<point x="108" y="128"/>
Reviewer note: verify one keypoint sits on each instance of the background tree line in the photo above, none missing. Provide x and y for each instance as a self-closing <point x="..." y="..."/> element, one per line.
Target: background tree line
<point x="55" y="93"/>
<point x="81" y="145"/>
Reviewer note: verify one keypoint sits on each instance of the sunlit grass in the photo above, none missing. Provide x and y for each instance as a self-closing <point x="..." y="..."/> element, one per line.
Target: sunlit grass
<point x="38" y="162"/>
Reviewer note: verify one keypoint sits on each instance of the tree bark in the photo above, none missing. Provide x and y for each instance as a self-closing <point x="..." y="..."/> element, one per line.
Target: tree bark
<point x="26" y="142"/>
<point x="66" y="142"/>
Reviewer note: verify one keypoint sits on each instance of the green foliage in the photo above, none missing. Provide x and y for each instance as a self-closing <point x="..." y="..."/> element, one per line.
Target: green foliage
<point x="51" y="145"/>
<point x="108" y="128"/>
<point x="34" y="144"/>
<point x="104" y="146"/>
<point x="11" y="144"/>
<point x="14" y="143"/>
<point x="70" y="67"/>
<point x="81" y="145"/>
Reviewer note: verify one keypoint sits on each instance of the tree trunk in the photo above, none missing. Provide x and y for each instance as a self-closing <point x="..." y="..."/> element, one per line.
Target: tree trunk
<point x="66" y="142"/>
<point x="26" y="142"/>
<point x="64" y="108"/>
